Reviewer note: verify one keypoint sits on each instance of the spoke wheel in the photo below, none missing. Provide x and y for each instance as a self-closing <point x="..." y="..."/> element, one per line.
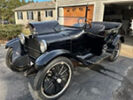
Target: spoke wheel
<point x="54" y="79"/>
<point x="116" y="52"/>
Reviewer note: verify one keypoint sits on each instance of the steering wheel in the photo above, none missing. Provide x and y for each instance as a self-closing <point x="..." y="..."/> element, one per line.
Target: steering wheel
<point x="88" y="23"/>
<point x="81" y="20"/>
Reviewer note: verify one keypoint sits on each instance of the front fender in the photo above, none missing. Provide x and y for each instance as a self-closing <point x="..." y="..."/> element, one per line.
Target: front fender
<point x="44" y="59"/>
<point x="16" y="47"/>
<point x="14" y="43"/>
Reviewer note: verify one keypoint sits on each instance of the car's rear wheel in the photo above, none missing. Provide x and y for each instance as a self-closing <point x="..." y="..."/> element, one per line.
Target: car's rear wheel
<point x="116" y="52"/>
<point x="11" y="65"/>
<point x="54" y="79"/>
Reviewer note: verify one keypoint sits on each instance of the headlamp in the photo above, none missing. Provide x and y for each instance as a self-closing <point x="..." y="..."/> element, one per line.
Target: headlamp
<point x="22" y="38"/>
<point x="43" y="46"/>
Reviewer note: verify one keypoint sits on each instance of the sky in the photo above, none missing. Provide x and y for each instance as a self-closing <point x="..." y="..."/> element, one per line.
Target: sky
<point x="39" y="0"/>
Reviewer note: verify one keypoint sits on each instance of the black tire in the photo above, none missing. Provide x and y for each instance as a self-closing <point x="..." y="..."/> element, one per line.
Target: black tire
<point x="40" y="86"/>
<point x="9" y="62"/>
<point x="116" y="52"/>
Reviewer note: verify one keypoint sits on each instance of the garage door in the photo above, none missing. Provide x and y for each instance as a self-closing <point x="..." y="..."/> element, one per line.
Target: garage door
<point x="71" y="14"/>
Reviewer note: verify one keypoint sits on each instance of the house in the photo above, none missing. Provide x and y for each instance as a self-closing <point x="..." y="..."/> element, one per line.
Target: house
<point x="33" y="12"/>
<point x="99" y="10"/>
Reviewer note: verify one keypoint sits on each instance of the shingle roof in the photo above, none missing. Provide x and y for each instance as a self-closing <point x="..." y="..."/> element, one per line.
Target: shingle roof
<point x="37" y="6"/>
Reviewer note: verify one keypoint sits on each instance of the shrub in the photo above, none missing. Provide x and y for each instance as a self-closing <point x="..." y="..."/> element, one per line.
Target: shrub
<point x="26" y="31"/>
<point x="10" y="31"/>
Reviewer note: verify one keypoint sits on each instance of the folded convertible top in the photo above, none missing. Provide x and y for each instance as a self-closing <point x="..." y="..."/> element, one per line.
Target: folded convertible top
<point x="44" y="27"/>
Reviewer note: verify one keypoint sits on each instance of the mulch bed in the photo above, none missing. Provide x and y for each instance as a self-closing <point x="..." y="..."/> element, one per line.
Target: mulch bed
<point x="3" y="42"/>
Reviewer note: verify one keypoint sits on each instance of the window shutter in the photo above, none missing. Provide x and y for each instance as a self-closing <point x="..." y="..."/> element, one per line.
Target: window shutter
<point x="21" y="15"/>
<point x="51" y="13"/>
<point x="32" y="15"/>
<point x="46" y="14"/>
<point x="27" y="14"/>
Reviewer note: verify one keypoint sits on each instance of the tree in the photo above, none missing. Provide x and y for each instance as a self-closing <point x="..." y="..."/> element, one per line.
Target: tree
<point x="7" y="7"/>
<point x="11" y="5"/>
<point x="3" y="8"/>
<point x="30" y="1"/>
<point x="23" y="2"/>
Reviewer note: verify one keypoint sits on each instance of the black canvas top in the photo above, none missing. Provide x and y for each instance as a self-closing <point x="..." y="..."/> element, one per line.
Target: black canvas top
<point x="44" y="27"/>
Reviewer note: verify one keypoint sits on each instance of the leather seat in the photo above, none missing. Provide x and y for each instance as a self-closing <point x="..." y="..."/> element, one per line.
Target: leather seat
<point x="109" y="25"/>
<point x="96" y="28"/>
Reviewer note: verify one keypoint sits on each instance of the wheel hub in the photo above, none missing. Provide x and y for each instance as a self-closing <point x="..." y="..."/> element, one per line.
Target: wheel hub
<point x="59" y="80"/>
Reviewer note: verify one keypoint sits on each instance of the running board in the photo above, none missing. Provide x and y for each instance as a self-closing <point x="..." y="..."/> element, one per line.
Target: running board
<point x="97" y="59"/>
<point x="87" y="56"/>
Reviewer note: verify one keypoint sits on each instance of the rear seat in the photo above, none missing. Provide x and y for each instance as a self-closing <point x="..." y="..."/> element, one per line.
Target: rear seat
<point x="96" y="28"/>
<point x="109" y="25"/>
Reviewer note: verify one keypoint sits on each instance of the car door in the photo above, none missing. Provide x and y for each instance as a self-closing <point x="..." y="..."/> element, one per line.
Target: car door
<point x="88" y="43"/>
<point x="95" y="43"/>
<point x="79" y="45"/>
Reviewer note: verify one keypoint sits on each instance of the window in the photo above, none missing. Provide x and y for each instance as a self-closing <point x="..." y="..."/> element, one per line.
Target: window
<point x="20" y="15"/>
<point x="68" y="10"/>
<point x="30" y="15"/>
<point x="81" y="9"/>
<point x="73" y="9"/>
<point x="49" y="13"/>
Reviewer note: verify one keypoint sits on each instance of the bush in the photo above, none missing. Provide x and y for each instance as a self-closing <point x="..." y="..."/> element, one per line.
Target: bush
<point x="10" y="31"/>
<point x="26" y="31"/>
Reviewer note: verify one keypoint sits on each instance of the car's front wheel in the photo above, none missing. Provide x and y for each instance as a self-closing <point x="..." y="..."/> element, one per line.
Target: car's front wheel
<point x="11" y="65"/>
<point x="52" y="81"/>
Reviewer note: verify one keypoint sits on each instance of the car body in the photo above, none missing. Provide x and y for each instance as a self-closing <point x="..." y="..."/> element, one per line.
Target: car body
<point x="51" y="48"/>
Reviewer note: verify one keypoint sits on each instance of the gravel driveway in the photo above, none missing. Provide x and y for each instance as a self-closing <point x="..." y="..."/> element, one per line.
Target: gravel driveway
<point x="106" y="81"/>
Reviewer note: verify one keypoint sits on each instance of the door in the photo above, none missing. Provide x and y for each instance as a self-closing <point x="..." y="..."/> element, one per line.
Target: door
<point x="72" y="14"/>
<point x="90" y="13"/>
<point x="39" y="16"/>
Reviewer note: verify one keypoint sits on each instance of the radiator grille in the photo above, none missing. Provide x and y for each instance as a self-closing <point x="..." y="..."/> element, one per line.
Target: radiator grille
<point x="33" y="48"/>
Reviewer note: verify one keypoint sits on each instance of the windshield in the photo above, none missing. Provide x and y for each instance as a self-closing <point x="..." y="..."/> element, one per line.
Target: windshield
<point x="76" y="22"/>
<point x="73" y="16"/>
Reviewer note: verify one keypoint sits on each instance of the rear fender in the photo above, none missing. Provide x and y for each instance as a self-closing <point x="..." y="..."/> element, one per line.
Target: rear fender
<point x="122" y="39"/>
<point x="117" y="39"/>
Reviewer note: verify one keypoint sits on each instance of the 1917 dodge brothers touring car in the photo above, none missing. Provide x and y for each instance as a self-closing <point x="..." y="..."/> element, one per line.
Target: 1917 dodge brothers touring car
<point x="51" y="48"/>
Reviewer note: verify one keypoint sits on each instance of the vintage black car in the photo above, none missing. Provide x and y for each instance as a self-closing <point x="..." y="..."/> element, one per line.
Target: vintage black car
<point x="50" y="50"/>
